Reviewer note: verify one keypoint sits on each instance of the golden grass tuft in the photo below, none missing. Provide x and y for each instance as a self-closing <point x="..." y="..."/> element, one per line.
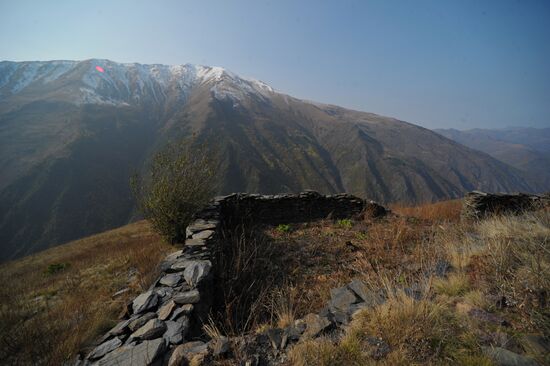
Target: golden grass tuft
<point x="456" y="284"/>
<point x="444" y="211"/>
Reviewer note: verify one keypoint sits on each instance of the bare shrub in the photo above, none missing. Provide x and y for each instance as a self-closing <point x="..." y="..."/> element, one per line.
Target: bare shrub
<point x="180" y="180"/>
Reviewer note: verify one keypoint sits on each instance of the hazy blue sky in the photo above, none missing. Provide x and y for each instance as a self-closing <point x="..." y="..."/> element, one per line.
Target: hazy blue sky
<point x="437" y="63"/>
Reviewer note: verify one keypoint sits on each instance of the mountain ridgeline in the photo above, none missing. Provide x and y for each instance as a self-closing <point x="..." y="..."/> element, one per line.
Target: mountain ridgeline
<point x="71" y="134"/>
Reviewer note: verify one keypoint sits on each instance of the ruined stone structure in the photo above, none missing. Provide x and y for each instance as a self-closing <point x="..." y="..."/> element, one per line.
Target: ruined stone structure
<point x="477" y="204"/>
<point x="160" y="321"/>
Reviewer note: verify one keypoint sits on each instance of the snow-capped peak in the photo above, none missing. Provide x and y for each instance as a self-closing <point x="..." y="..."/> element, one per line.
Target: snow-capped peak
<point x="104" y="81"/>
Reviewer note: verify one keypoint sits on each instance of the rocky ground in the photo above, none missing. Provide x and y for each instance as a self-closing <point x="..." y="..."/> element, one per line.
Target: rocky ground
<point x="417" y="286"/>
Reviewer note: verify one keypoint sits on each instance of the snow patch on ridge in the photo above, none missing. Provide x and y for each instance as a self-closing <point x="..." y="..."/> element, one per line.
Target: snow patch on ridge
<point x="132" y="82"/>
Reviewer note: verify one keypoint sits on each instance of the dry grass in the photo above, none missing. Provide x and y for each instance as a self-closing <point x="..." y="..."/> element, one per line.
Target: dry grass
<point x="444" y="211"/>
<point x="456" y="284"/>
<point x="58" y="301"/>
<point x="500" y="265"/>
<point x="416" y="332"/>
<point x="317" y="257"/>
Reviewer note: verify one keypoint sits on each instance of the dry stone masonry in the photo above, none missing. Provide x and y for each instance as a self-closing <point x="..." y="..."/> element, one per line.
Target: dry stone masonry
<point x="477" y="204"/>
<point x="164" y="324"/>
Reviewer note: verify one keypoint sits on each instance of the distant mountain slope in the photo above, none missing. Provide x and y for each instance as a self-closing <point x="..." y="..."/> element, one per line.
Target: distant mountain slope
<point x="70" y="135"/>
<point x="527" y="149"/>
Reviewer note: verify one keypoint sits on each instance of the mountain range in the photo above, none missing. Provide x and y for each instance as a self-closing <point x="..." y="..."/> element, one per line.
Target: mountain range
<point x="527" y="149"/>
<point x="72" y="132"/>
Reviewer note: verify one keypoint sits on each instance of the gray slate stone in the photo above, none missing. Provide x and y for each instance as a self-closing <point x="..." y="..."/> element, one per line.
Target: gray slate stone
<point x="143" y="354"/>
<point x="195" y="242"/>
<point x="370" y="298"/>
<point x="340" y="316"/>
<point x="174" y="256"/>
<point x="145" y="301"/>
<point x="441" y="268"/>
<point x="189" y="297"/>
<point x="414" y="292"/>
<point x="164" y="292"/>
<point x="120" y="328"/>
<point x="176" y="330"/>
<point x="204" y="235"/>
<point x="275" y="336"/>
<point x="196" y="271"/>
<point x="166" y="310"/>
<point x="138" y="322"/>
<point x="341" y="299"/>
<point x="183" y="310"/>
<point x="105" y="348"/>
<point x="171" y="279"/>
<point x="315" y="324"/>
<point x="154" y="328"/>
<point x="180" y="265"/>
<point x="485" y="316"/>
<point x="200" y="225"/>
<point x="503" y="357"/>
<point x="185" y="352"/>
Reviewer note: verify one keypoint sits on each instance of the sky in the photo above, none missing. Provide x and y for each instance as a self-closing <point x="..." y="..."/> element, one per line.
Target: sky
<point x="439" y="64"/>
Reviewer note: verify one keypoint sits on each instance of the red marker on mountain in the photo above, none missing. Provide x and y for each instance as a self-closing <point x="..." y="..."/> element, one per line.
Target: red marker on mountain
<point x="99" y="68"/>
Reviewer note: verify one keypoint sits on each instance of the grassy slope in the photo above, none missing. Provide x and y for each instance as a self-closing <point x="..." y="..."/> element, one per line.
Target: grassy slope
<point x="57" y="301"/>
<point x="50" y="315"/>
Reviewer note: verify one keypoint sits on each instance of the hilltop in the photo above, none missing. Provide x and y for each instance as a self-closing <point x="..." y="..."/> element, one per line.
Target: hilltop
<point x="415" y="285"/>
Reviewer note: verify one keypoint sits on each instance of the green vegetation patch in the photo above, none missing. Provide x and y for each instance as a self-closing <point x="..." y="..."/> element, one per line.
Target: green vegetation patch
<point x="56" y="268"/>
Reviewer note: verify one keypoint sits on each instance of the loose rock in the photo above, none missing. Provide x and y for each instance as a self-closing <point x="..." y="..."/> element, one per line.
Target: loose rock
<point x="196" y="271"/>
<point x="503" y="357"/>
<point x="204" y="235"/>
<point x="341" y="299"/>
<point x="187" y="352"/>
<point x="183" y="310"/>
<point x="315" y="324"/>
<point x="105" y="348"/>
<point x="145" y="301"/>
<point x="154" y="328"/>
<point x="189" y="297"/>
<point x="137" y="323"/>
<point x="176" y="330"/>
<point x="143" y="354"/>
<point x="370" y="298"/>
<point x="166" y="310"/>
<point x="171" y="280"/>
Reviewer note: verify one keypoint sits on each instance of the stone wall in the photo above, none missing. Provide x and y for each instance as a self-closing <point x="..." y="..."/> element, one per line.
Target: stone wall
<point x="477" y="204"/>
<point x="174" y="309"/>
